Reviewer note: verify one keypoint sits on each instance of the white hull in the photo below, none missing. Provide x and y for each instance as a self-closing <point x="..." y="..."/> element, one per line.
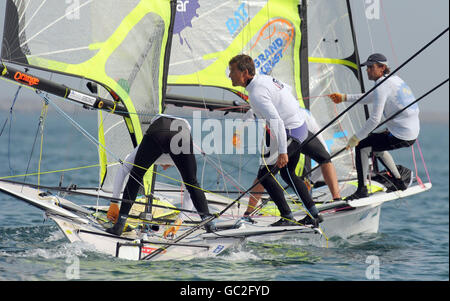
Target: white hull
<point x="344" y="223"/>
<point x="352" y="218"/>
<point x="137" y="249"/>
<point x="343" y="220"/>
<point x="78" y="225"/>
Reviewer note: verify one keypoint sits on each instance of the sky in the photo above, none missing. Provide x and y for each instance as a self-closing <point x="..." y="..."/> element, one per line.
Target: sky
<point x="401" y="29"/>
<point x="396" y="28"/>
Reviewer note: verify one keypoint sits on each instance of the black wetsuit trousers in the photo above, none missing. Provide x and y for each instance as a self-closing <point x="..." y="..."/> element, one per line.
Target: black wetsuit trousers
<point x="379" y="142"/>
<point x="288" y="175"/>
<point x="155" y="142"/>
<point x="315" y="150"/>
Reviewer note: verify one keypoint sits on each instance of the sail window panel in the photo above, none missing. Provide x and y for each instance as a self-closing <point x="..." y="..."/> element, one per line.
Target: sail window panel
<point x="329" y="30"/>
<point x="118" y="142"/>
<point x="222" y="167"/>
<point x="329" y="78"/>
<point x="326" y="79"/>
<point x="135" y="66"/>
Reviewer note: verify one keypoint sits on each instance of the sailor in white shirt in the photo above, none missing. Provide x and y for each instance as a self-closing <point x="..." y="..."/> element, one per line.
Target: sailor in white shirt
<point x="315" y="149"/>
<point x="272" y="101"/>
<point x="402" y="131"/>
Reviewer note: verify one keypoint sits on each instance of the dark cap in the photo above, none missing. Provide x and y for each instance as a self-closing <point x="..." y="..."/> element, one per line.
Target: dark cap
<point x="375" y="58"/>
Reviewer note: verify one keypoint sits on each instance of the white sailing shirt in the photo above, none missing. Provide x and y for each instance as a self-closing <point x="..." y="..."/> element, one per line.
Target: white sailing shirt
<point x="273" y="101"/>
<point x="389" y="98"/>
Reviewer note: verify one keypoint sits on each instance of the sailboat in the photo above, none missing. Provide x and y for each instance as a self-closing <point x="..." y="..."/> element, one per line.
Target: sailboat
<point x="311" y="46"/>
<point x="138" y="58"/>
<point x="119" y="53"/>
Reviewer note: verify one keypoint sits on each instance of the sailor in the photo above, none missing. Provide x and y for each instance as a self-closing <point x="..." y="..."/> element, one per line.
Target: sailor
<point x="315" y="149"/>
<point x="402" y="131"/>
<point x="273" y="102"/>
<point x="165" y="161"/>
<point x="166" y="135"/>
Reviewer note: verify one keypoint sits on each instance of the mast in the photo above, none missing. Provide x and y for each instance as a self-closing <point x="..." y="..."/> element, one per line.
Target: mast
<point x="150" y="185"/>
<point x="304" y="163"/>
<point x="304" y="68"/>
<point x="356" y="56"/>
<point x="333" y="67"/>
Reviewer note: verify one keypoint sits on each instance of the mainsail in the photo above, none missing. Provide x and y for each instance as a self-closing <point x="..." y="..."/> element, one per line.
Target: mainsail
<point x="309" y="45"/>
<point x="334" y="67"/>
<point x="208" y="35"/>
<point x="121" y="45"/>
<point x="126" y="51"/>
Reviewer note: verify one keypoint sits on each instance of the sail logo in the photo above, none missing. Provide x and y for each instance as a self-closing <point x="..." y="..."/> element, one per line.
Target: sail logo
<point x="277" y="83"/>
<point x="280" y="34"/>
<point x="186" y="10"/>
<point x="405" y="96"/>
<point x="239" y="19"/>
<point x="26" y="79"/>
<point x="181" y="5"/>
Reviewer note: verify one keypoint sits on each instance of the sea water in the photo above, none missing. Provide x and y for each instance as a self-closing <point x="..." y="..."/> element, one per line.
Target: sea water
<point x="412" y="242"/>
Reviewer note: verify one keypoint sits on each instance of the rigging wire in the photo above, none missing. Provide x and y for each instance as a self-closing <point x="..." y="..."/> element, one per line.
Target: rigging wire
<point x="49" y="172"/>
<point x="44" y="117"/>
<point x="84" y="132"/>
<point x="396" y="61"/>
<point x="75" y="124"/>
<point x="10" y="117"/>
<point x="388" y="31"/>
<point x="39" y="129"/>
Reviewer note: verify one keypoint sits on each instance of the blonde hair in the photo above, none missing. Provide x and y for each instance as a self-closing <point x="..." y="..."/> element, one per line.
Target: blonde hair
<point x="386" y="70"/>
